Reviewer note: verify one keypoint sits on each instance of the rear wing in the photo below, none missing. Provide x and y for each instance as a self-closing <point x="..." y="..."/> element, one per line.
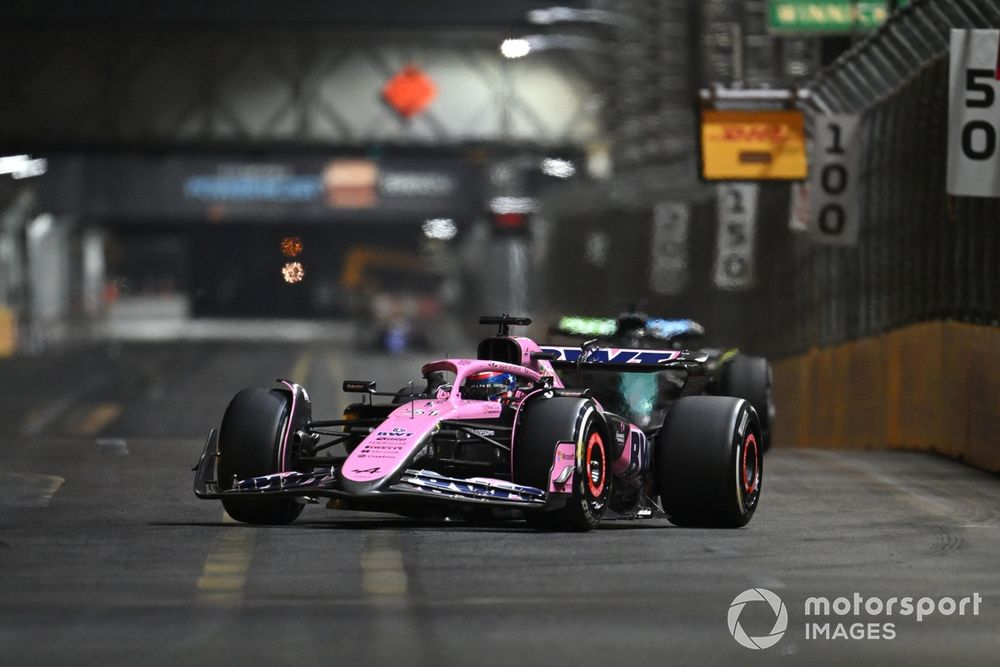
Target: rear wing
<point x="622" y="359"/>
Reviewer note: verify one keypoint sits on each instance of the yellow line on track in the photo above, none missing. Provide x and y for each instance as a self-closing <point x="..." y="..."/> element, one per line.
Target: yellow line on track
<point x="336" y="369"/>
<point x="300" y="371"/>
<point x="97" y="419"/>
<point x="382" y="573"/>
<point x="224" y="575"/>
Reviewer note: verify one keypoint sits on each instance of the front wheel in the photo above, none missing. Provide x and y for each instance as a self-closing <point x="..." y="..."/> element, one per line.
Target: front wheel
<point x="543" y="424"/>
<point x="709" y="462"/>
<point x="250" y="440"/>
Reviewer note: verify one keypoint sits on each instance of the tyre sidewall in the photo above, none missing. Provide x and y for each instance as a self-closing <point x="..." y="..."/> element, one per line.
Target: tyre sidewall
<point x="750" y="378"/>
<point x="251" y="433"/>
<point x="249" y="446"/>
<point x="701" y="452"/>
<point x="592" y="505"/>
<point x="544" y="422"/>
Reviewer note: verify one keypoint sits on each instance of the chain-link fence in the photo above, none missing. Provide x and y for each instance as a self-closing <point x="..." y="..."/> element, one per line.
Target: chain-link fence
<point x="921" y="254"/>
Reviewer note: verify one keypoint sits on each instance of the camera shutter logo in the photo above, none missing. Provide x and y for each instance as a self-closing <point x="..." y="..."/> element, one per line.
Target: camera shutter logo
<point x="780" y="618"/>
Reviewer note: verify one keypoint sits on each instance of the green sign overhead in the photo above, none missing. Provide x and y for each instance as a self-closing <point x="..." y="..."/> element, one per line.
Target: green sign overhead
<point x="829" y="17"/>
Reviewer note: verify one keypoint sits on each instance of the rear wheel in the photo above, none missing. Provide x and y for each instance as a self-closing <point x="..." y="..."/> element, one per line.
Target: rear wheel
<point x="249" y="446"/>
<point x="710" y="464"/>
<point x="404" y="395"/>
<point x="750" y="378"/>
<point x="544" y="424"/>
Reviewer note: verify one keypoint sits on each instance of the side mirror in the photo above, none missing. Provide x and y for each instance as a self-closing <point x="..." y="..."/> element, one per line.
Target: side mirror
<point x="359" y="386"/>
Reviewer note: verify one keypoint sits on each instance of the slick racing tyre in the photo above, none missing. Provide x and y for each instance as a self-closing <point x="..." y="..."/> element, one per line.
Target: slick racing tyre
<point x="249" y="444"/>
<point x="408" y="393"/>
<point x="543" y="423"/>
<point x="709" y="462"/>
<point x="750" y="378"/>
<point x="404" y="395"/>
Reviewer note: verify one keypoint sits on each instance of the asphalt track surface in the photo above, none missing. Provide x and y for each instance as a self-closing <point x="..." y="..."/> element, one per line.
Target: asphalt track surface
<point x="106" y="556"/>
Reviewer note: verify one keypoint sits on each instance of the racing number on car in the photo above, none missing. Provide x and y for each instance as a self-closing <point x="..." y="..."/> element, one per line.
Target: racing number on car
<point x="974" y="114"/>
<point x="833" y="180"/>
<point x="737" y="211"/>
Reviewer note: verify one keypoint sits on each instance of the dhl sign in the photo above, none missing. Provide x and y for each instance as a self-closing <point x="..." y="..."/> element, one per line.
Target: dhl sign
<point x="753" y="145"/>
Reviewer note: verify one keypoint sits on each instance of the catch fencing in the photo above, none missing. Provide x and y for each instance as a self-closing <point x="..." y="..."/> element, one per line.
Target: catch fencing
<point x="921" y="254"/>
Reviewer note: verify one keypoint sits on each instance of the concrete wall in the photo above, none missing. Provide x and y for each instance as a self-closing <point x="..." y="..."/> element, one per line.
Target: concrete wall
<point x="933" y="386"/>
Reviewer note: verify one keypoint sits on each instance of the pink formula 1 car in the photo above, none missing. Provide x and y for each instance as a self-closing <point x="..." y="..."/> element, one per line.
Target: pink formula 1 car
<point x="562" y="436"/>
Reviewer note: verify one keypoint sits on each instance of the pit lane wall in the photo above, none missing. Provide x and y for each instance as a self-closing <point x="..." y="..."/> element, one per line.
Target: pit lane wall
<point x="933" y="386"/>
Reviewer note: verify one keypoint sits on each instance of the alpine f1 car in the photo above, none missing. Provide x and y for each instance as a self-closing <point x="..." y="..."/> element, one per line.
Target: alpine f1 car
<point x="521" y="430"/>
<point x="732" y="372"/>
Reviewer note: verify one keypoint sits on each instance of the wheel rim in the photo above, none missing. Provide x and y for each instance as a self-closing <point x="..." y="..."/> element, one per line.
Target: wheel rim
<point x="750" y="471"/>
<point x="595" y="465"/>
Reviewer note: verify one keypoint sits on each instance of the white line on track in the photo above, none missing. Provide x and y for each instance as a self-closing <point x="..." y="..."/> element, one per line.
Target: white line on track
<point x="930" y="503"/>
<point x="19" y="489"/>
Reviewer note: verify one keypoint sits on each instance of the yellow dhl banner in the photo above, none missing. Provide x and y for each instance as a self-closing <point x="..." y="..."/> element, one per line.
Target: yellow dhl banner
<point x="753" y="145"/>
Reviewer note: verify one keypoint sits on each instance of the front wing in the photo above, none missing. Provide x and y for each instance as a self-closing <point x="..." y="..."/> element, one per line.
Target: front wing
<point x="324" y="482"/>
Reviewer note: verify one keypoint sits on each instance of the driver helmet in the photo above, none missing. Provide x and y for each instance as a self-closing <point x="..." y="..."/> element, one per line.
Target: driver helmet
<point x="489" y="386"/>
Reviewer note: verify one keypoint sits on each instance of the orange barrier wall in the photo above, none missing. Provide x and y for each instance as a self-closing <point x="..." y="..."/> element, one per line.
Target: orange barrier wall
<point x="8" y="332"/>
<point x="933" y="386"/>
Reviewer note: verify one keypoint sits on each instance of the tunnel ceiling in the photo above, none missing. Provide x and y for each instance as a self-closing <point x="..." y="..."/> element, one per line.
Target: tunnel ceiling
<point x="341" y="12"/>
<point x="153" y="77"/>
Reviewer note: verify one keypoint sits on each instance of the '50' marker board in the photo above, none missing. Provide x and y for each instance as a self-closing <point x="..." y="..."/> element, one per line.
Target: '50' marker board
<point x="974" y="114"/>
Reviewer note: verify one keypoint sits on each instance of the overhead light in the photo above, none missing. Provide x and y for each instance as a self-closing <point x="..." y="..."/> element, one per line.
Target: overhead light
<point x="503" y="205"/>
<point x="40" y="226"/>
<point x="551" y="15"/>
<point x="558" y="168"/>
<point x="442" y="229"/>
<point x="22" y="166"/>
<point x="547" y="16"/>
<point x="515" y="48"/>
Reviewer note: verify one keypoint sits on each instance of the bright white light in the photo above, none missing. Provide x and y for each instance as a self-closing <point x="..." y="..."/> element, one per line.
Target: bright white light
<point x="513" y="205"/>
<point x="540" y="17"/>
<point x="22" y="166"/>
<point x="598" y="245"/>
<point x="40" y="226"/>
<point x="11" y="163"/>
<point x="443" y="229"/>
<point x="515" y="48"/>
<point x="552" y="166"/>
<point x="293" y="272"/>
